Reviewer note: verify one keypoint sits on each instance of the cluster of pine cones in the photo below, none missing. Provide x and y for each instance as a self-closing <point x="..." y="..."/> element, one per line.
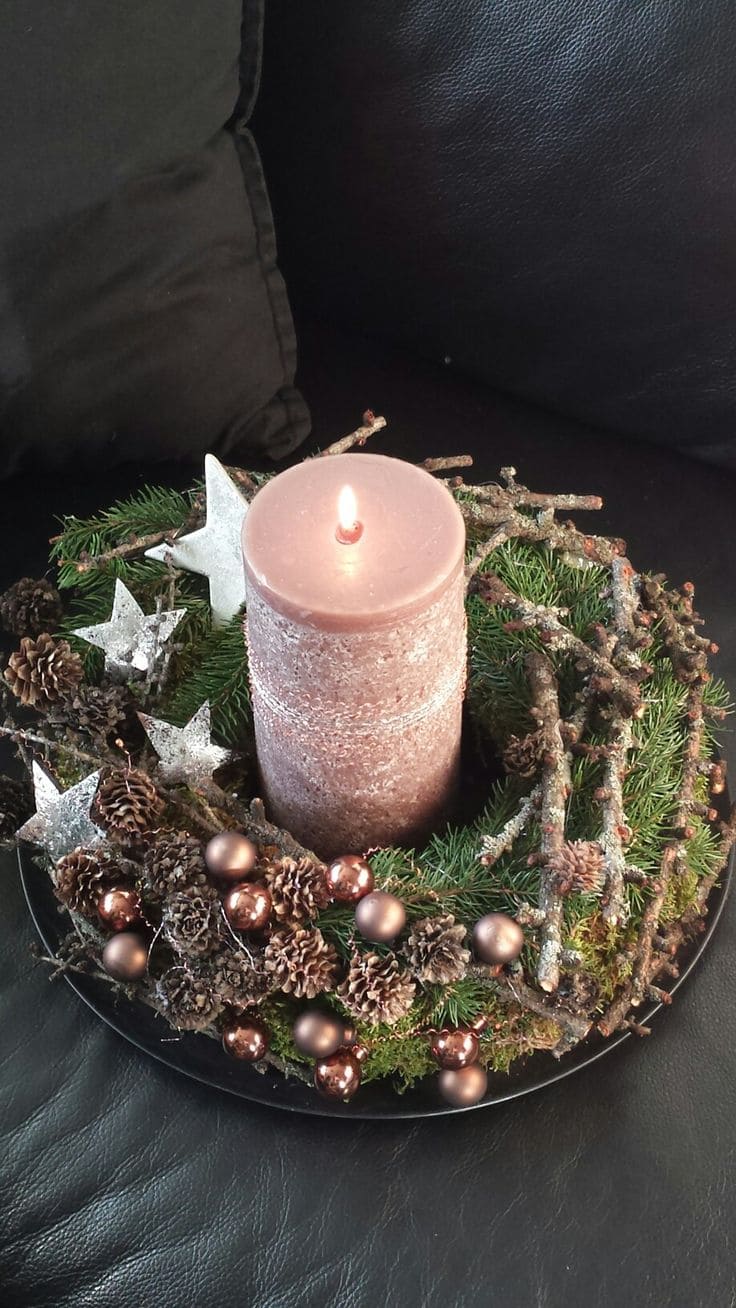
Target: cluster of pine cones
<point x="46" y="674"/>
<point x="203" y="968"/>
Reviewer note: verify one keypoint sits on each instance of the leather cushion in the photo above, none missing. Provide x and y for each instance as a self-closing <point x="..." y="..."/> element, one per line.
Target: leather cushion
<point x="142" y="314"/>
<point x="541" y="193"/>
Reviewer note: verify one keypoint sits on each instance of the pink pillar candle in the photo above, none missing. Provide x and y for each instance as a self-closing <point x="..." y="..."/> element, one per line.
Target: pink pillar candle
<point x="357" y="649"/>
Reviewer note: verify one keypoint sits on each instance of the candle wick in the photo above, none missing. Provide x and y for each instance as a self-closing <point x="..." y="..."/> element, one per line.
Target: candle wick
<point x="348" y="535"/>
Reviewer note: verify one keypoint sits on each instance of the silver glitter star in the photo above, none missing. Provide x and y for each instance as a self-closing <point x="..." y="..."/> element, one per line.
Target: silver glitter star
<point x="131" y="640"/>
<point x="62" y="818"/>
<point x="185" y="754"/>
<point x="214" y="550"/>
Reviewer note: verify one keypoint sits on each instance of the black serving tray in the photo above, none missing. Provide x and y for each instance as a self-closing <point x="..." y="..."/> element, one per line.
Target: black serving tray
<point x="204" y="1060"/>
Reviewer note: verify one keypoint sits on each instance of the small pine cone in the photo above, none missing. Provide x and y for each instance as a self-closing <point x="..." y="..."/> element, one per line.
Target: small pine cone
<point x="192" y="922"/>
<point x="298" y="890"/>
<point x="377" y="989"/>
<point x="187" y="1000"/>
<point x="30" y="607"/>
<point x="524" y="755"/>
<point x="301" y="963"/>
<point x="435" y="950"/>
<point x="128" y="804"/>
<point x="174" y="862"/>
<point x="105" y="713"/>
<point x="43" y="671"/>
<point x="15" y="806"/>
<point x="82" y="875"/>
<point x="236" y="980"/>
<point x="578" y="868"/>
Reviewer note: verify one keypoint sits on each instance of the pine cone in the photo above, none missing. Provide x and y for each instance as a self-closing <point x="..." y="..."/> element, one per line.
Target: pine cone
<point x="524" y="755"/>
<point x="377" y="989"/>
<point x="578" y="868"/>
<point x="174" y="862"/>
<point x="43" y="671"/>
<point x="435" y="950"/>
<point x="298" y="890"/>
<point x="15" y="806"/>
<point x="105" y="713"/>
<point x="192" y="922"/>
<point x="30" y="607"/>
<point x="236" y="980"/>
<point x="82" y="875"/>
<point x="187" y="1000"/>
<point x="128" y="804"/>
<point x="301" y="963"/>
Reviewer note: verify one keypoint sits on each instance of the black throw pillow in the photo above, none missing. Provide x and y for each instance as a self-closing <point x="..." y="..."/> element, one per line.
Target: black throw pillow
<point x="142" y="314"/>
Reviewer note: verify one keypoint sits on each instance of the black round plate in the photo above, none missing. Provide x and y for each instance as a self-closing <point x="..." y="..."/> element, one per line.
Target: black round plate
<point x="204" y="1059"/>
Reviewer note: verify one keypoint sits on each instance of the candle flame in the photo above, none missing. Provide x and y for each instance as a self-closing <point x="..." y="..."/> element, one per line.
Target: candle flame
<point x="347" y="510"/>
<point x="349" y="530"/>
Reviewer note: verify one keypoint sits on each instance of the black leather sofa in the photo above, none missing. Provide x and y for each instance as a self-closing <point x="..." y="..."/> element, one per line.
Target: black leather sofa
<point x="123" y="1185"/>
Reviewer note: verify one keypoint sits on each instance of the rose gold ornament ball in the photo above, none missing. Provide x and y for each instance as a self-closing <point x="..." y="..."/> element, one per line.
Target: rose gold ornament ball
<point x="338" y="1076"/>
<point x="453" y="1049"/>
<point x="248" y="906"/>
<point x="125" y="956"/>
<point x="380" y="916"/>
<point x="231" y="856"/>
<point x="463" y="1086"/>
<point x="318" y="1034"/>
<point x="497" y="938"/>
<point x="119" y="908"/>
<point x="349" y="878"/>
<point x="246" y="1039"/>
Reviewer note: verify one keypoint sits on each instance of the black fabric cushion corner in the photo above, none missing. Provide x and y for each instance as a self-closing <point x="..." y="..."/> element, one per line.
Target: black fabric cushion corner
<point x="543" y="191"/>
<point x="142" y="314"/>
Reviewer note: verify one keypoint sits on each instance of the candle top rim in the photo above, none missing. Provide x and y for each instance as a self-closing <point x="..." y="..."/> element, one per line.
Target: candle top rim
<point x="410" y="550"/>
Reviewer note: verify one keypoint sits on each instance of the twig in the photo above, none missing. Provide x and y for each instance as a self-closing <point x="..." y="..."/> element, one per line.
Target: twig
<point x="555" y="787"/>
<point x="19" y="735"/>
<point x="615" y="830"/>
<point x="370" y="425"/>
<point x="492" y="847"/>
<point x="259" y="826"/>
<point x="510" y="988"/>
<point x="449" y="461"/>
<point x="553" y="633"/>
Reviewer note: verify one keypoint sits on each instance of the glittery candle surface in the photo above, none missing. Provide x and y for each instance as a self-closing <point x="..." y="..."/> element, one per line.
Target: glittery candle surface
<point x="358" y="714"/>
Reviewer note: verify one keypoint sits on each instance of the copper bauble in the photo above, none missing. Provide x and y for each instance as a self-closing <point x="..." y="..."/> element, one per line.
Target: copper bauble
<point x="125" y="956"/>
<point x="497" y="938"/>
<point x="248" y="906"/>
<point x="318" y="1033"/>
<point x="231" y="856"/>
<point x="380" y="916"/>
<point x="349" y="878"/>
<point x="119" y="908"/>
<point x="463" y="1086"/>
<point x="246" y="1039"/>
<point x="338" y="1077"/>
<point x="455" y="1048"/>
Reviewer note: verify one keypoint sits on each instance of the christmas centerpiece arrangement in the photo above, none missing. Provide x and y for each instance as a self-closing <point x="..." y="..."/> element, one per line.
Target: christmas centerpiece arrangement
<point x="268" y="839"/>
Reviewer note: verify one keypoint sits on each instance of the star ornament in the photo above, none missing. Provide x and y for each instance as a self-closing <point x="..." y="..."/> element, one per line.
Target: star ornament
<point x="186" y="754"/>
<point x="62" y="818"/>
<point x="131" y="640"/>
<point x="214" y="551"/>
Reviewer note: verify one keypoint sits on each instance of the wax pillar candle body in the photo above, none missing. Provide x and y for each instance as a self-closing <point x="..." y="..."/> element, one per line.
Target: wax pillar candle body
<point x="357" y="650"/>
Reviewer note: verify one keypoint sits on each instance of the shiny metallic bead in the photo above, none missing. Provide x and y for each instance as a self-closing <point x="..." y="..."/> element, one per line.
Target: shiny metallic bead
<point x="248" y="906"/>
<point x="497" y="938"/>
<point x="463" y="1086"/>
<point x="231" y="856"/>
<point x="455" y="1048"/>
<point x="246" y="1039"/>
<point x="119" y="908"/>
<point x="125" y="956"/>
<point x="339" y="1075"/>
<point x="318" y="1034"/>
<point x="380" y="916"/>
<point x="349" y="878"/>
